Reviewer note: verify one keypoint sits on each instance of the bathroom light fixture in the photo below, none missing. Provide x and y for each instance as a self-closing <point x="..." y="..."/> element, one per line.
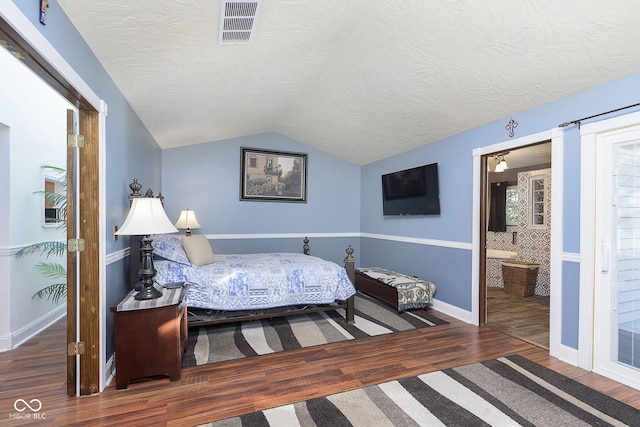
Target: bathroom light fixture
<point x="501" y="163"/>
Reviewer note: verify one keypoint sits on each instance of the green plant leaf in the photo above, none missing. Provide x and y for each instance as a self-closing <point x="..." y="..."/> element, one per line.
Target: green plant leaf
<point x="52" y="270"/>
<point x="47" y="249"/>
<point x="53" y="293"/>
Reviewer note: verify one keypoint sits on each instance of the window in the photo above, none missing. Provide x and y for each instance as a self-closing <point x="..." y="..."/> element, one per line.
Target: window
<point x="537" y="205"/>
<point x="54" y="197"/>
<point x="512" y="205"/>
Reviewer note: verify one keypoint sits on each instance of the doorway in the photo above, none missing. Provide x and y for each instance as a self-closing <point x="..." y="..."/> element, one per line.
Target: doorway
<point x="84" y="309"/>
<point x="518" y="242"/>
<point x="32" y="174"/>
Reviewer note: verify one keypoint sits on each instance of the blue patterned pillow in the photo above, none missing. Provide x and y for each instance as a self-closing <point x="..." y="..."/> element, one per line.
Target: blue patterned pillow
<point x="169" y="247"/>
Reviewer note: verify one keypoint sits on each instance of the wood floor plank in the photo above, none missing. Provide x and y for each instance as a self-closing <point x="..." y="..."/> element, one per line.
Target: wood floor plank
<point x="231" y="388"/>
<point x="526" y="318"/>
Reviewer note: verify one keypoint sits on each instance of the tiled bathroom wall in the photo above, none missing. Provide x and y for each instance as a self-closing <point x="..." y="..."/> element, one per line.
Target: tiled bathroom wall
<point x="533" y="241"/>
<point x="502" y="241"/>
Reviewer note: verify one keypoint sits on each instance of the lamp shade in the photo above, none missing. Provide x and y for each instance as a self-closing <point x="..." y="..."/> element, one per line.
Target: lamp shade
<point x="146" y="216"/>
<point x="188" y="220"/>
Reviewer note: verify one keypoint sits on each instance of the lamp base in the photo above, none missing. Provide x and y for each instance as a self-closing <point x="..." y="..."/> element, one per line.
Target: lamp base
<point x="148" y="292"/>
<point x="146" y="272"/>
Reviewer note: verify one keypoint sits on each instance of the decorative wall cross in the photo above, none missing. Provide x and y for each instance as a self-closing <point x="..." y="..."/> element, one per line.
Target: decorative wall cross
<point x="44" y="4"/>
<point x="511" y="126"/>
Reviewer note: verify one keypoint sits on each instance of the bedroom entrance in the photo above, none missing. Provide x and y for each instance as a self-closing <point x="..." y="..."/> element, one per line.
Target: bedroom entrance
<point x="84" y="350"/>
<point x="515" y="278"/>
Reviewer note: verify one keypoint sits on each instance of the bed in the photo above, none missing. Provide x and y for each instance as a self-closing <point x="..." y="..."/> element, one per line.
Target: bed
<point x="226" y="288"/>
<point x="237" y="286"/>
<point x="399" y="290"/>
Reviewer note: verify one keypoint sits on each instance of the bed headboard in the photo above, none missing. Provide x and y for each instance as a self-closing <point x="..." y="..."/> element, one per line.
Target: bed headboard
<point x="135" y="241"/>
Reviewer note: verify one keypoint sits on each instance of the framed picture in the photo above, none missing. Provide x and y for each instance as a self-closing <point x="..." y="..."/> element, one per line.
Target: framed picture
<point x="273" y="176"/>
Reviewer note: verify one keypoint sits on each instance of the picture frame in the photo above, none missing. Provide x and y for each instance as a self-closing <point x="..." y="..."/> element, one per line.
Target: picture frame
<point x="273" y="176"/>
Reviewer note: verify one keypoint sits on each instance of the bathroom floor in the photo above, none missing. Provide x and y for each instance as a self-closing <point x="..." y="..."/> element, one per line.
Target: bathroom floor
<point x="524" y="318"/>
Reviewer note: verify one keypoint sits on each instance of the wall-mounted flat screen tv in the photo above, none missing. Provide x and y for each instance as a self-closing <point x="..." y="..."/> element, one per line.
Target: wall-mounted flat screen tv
<point x="412" y="191"/>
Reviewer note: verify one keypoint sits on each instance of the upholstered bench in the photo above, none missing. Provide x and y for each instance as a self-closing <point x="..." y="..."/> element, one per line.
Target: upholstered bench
<point x="401" y="291"/>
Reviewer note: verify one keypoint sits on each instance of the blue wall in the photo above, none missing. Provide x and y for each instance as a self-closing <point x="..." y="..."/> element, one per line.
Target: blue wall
<point x="448" y="268"/>
<point x="130" y="149"/>
<point x="440" y="262"/>
<point x="570" y="303"/>
<point x="206" y="178"/>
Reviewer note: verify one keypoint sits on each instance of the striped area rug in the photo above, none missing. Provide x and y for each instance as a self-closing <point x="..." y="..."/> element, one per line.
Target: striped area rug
<point x="510" y="391"/>
<point x="252" y="338"/>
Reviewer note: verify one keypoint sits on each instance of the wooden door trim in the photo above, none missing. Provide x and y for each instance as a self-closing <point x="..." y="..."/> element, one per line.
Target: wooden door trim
<point x="71" y="258"/>
<point x="482" y="252"/>
<point x="89" y="298"/>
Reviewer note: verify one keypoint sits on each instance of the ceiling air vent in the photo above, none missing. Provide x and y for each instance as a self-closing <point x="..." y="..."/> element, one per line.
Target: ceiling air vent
<point x="237" y="21"/>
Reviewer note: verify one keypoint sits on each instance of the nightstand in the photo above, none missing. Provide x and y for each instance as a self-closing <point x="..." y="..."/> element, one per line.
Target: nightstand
<point x="150" y="336"/>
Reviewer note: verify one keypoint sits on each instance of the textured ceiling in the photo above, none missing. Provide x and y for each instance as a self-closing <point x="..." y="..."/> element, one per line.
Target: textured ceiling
<point x="360" y="79"/>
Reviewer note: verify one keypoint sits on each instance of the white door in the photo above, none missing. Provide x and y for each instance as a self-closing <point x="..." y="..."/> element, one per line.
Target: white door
<point x="617" y="282"/>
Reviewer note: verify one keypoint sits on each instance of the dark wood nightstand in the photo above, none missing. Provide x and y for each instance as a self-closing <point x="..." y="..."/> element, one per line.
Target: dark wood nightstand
<point x="150" y="336"/>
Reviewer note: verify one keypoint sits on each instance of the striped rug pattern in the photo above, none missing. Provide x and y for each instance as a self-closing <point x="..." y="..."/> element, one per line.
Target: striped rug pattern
<point x="510" y="391"/>
<point x="252" y="338"/>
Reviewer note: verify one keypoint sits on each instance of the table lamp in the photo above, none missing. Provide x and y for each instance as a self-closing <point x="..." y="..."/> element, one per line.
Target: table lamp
<point x="146" y="217"/>
<point x="188" y="221"/>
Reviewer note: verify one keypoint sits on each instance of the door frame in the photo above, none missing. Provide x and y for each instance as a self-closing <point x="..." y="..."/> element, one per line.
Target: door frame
<point x="556" y="136"/>
<point x="25" y="42"/>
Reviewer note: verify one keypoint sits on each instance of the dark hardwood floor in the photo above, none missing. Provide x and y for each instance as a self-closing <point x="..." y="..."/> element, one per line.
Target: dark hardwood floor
<point x="525" y="318"/>
<point x="36" y="370"/>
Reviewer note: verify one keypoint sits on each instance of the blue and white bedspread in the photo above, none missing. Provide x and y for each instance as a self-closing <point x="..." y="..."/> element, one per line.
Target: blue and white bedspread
<point x="259" y="281"/>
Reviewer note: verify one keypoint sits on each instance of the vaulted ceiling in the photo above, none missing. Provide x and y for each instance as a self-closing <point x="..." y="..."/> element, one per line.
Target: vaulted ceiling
<point x="359" y="79"/>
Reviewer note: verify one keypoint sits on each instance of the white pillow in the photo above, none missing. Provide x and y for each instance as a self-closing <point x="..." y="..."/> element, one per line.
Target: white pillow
<point x="169" y="247"/>
<point x="198" y="249"/>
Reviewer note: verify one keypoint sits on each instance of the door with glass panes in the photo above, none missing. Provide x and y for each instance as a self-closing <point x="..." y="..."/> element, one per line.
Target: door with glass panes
<point x="617" y="284"/>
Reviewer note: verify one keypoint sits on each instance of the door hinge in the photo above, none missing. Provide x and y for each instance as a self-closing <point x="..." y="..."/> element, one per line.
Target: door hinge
<point x="75" y="348"/>
<point x="75" y="245"/>
<point x="75" y="141"/>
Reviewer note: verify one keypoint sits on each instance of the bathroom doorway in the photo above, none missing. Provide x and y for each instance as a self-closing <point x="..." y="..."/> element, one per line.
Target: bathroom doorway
<point x="516" y="269"/>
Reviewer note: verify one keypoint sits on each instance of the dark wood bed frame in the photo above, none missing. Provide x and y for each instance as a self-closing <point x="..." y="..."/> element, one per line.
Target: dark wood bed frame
<point x="200" y="317"/>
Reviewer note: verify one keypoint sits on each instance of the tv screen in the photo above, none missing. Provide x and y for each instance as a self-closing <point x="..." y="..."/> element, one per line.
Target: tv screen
<point x="412" y="191"/>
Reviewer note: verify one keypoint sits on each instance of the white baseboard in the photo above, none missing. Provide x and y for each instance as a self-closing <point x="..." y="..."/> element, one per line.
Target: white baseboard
<point x="453" y="311"/>
<point x="110" y="370"/>
<point x="24" y="334"/>
<point x="5" y="343"/>
<point x="566" y="354"/>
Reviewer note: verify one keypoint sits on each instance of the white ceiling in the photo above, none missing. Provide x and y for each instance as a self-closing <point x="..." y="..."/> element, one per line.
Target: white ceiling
<point x="359" y="79"/>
